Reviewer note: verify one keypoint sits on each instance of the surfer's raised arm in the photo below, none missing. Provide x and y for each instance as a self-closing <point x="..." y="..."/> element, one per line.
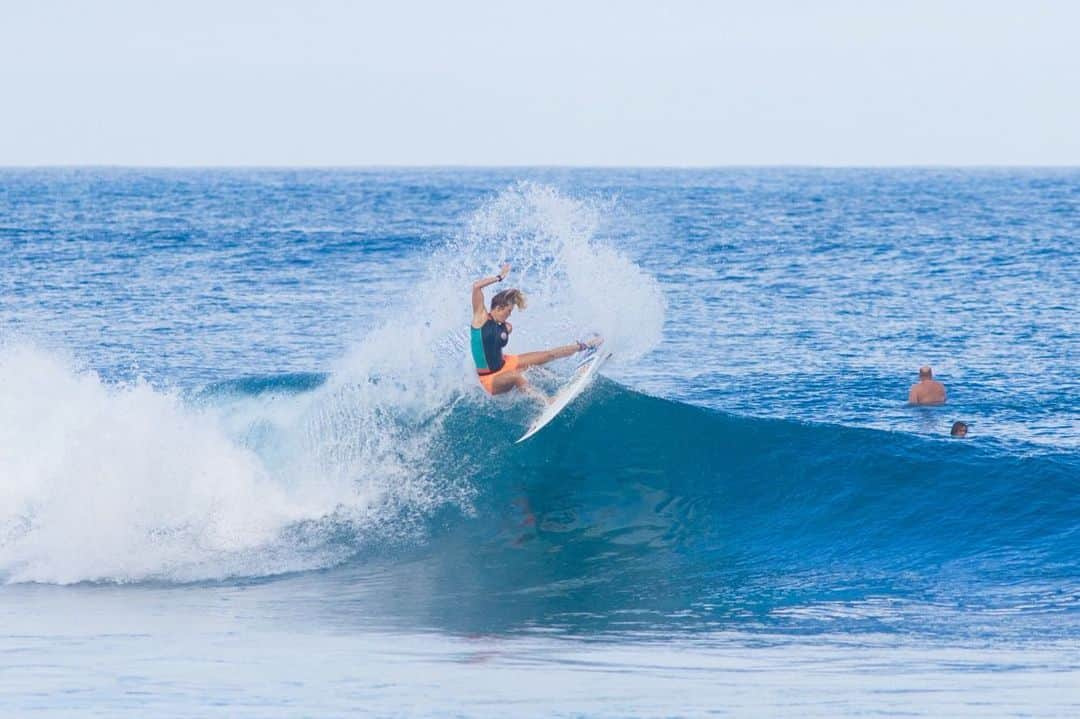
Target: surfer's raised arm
<point x="479" y="313"/>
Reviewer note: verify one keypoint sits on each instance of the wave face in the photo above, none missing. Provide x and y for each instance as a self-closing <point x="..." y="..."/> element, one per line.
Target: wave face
<point x="636" y="504"/>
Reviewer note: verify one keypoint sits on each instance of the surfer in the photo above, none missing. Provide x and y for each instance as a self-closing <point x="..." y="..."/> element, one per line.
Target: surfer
<point x="927" y="390"/>
<point x="490" y="331"/>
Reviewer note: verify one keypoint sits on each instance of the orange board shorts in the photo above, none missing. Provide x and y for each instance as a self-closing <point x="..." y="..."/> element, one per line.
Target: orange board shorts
<point x="487" y="381"/>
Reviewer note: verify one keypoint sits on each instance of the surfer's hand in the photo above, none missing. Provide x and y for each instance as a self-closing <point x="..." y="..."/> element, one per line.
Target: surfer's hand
<point x="505" y="270"/>
<point x="509" y="327"/>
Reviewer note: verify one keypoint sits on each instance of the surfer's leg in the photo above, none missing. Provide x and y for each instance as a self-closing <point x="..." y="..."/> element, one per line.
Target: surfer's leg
<point x="531" y="359"/>
<point x="506" y="381"/>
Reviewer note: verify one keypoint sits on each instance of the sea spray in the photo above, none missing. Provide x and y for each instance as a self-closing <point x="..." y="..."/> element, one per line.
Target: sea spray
<point x="576" y="284"/>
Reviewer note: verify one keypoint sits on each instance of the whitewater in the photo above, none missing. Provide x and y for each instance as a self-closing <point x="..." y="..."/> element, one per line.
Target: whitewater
<point x="239" y="429"/>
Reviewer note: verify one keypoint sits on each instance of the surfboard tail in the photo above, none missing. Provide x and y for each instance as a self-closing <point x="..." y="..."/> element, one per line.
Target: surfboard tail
<point x="583" y="376"/>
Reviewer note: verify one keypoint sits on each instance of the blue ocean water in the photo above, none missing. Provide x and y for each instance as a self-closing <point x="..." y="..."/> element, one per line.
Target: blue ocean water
<point x="245" y="469"/>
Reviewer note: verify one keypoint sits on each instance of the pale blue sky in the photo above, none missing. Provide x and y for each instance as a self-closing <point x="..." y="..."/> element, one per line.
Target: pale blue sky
<point x="330" y="82"/>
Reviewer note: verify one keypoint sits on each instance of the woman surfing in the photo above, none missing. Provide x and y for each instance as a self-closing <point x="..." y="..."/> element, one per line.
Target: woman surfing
<point x="490" y="332"/>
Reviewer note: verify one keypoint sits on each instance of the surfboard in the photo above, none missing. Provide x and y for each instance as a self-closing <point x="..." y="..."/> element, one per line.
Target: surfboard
<point x="583" y="376"/>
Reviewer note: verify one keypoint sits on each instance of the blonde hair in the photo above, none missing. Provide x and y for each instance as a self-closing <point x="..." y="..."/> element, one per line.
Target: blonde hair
<point x="509" y="297"/>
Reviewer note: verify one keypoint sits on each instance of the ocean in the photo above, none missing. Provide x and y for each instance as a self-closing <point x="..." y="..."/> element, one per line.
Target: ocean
<point x="246" y="469"/>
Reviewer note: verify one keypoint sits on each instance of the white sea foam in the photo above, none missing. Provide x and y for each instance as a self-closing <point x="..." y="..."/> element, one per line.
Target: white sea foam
<point x="127" y="483"/>
<point x="101" y="482"/>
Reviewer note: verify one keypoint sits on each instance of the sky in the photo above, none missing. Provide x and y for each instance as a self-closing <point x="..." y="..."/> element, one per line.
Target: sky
<point x="461" y="82"/>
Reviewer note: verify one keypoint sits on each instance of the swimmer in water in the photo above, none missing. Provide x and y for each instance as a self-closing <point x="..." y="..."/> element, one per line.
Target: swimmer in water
<point x="490" y="332"/>
<point x="927" y="390"/>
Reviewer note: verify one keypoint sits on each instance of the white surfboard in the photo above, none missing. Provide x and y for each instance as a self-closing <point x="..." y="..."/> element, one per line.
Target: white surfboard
<point x="583" y="376"/>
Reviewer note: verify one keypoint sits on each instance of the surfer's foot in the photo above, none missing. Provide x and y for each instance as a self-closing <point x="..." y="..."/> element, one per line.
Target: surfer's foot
<point x="590" y="344"/>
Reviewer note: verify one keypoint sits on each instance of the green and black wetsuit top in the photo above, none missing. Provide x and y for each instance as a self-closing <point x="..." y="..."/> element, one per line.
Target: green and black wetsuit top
<point x="487" y="344"/>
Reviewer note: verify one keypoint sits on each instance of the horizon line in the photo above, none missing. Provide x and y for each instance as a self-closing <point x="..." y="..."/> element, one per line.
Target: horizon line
<point x="525" y="166"/>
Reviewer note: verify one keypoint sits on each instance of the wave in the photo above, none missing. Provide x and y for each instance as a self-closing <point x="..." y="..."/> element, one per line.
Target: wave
<point x="644" y="471"/>
<point x="627" y="501"/>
